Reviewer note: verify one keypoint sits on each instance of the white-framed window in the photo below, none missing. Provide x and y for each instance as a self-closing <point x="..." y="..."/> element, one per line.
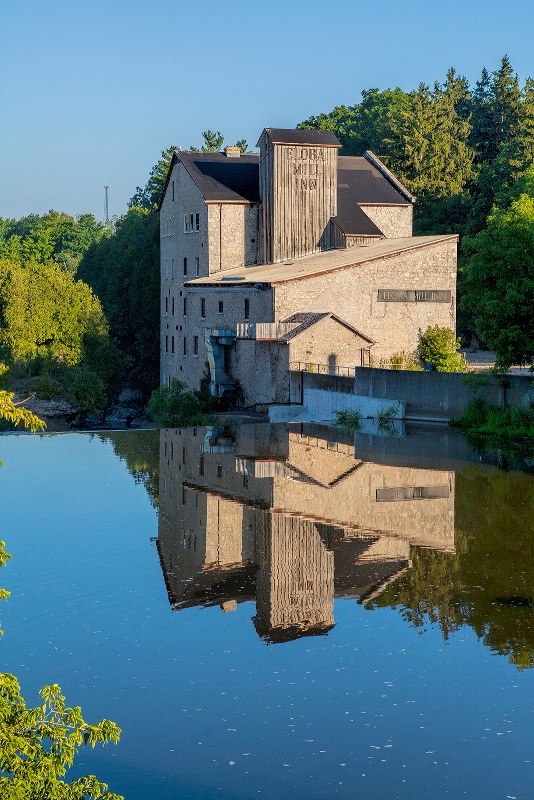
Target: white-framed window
<point x="191" y="223"/>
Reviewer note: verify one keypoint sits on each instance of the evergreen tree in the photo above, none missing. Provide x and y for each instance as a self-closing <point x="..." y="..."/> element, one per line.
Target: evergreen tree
<point x="150" y="196"/>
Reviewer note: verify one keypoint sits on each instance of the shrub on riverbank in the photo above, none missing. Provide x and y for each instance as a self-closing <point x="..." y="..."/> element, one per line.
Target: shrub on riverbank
<point x="485" y="418"/>
<point x="439" y="347"/>
<point x="176" y="407"/>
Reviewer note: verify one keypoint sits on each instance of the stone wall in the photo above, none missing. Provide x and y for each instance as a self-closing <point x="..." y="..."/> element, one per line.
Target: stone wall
<point x="393" y="221"/>
<point x="190" y="366"/>
<point x="352" y="293"/>
<point x="233" y="236"/>
<point x="175" y="246"/>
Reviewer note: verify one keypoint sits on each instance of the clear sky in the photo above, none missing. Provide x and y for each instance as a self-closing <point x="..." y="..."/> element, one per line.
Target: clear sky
<point x="91" y="92"/>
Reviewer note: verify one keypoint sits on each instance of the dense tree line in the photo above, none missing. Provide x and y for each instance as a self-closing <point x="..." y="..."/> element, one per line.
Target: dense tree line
<point x="53" y="332"/>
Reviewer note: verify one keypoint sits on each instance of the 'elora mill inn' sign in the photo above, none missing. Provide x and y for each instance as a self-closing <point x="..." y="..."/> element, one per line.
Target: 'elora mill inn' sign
<point x="414" y="295"/>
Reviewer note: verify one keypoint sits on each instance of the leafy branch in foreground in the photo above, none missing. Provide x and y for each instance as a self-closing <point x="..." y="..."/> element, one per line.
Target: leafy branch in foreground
<point x="16" y="413"/>
<point x="38" y="745"/>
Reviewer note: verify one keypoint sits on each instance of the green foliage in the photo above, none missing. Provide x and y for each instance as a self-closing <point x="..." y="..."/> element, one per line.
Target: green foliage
<point x="141" y="456"/>
<point x="388" y="414"/>
<point x="124" y="272"/>
<point x="438" y="347"/>
<point x="53" y="237"/>
<point x="16" y="414"/>
<point x="176" y="407"/>
<point x="46" y="388"/>
<point x="458" y="149"/>
<point x="38" y="745"/>
<point x="480" y="584"/>
<point x="474" y="381"/>
<point x="498" y="281"/>
<point x="52" y="325"/>
<point x="150" y="196"/>
<point x="213" y="142"/>
<point x="349" y="418"/>
<point x="44" y="310"/>
<point x="508" y="421"/>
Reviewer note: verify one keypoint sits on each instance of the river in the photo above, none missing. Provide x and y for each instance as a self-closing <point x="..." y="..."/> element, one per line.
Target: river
<point x="277" y="612"/>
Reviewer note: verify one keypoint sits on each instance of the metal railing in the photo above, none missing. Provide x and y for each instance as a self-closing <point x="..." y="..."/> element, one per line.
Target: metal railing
<point x="322" y="369"/>
<point x="264" y="330"/>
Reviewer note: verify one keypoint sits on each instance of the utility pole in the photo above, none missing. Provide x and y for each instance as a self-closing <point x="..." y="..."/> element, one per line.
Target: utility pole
<point x="106" y="206"/>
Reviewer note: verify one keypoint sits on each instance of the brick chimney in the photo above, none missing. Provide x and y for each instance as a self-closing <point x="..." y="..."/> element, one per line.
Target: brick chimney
<point x="231" y="151"/>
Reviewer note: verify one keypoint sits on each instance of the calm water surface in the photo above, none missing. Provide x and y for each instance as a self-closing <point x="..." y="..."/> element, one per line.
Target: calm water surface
<point x="278" y="613"/>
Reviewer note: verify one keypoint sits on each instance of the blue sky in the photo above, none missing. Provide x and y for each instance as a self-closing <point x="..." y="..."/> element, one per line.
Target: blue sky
<point x="91" y="92"/>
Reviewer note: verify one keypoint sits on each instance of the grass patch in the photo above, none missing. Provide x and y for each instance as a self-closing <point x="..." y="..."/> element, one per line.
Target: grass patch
<point x="349" y="418"/>
<point x="507" y="421"/>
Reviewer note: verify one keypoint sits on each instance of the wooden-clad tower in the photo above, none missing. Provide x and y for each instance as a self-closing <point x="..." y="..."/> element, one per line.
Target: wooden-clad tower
<point x="298" y="192"/>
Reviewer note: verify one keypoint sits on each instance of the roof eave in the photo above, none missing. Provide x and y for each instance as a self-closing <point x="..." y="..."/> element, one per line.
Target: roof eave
<point x="381" y="167"/>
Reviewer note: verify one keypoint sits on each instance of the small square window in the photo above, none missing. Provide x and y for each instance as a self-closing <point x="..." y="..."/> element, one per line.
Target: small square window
<point x="221" y="307"/>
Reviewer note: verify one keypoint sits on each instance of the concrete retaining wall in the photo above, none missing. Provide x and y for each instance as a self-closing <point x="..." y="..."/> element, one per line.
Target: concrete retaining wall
<point x="439" y="394"/>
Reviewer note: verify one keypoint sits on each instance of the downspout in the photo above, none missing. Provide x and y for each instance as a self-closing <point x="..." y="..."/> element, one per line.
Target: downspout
<point x="220" y="237"/>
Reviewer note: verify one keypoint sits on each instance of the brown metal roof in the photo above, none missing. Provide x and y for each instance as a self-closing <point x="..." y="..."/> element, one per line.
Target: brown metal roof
<point x="224" y="180"/>
<point x="306" y="319"/>
<point x="301" y="136"/>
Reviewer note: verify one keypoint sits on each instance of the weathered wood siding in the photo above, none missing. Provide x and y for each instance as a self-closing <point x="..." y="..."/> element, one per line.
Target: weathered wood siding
<point x="298" y="190"/>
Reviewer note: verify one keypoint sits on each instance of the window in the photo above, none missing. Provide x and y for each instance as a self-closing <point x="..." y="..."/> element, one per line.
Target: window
<point x="172" y="344"/>
<point x="166" y="344"/>
<point x="185" y="346"/>
<point x="173" y="306"/>
<point x="221" y="307"/>
<point x="191" y="223"/>
<point x="219" y="470"/>
<point x="202" y="308"/>
<point x="195" y="345"/>
<point x="197" y="266"/>
<point x="201" y="466"/>
<point x="183" y="455"/>
<point x="185" y="266"/>
<point x="247" y="309"/>
<point x="185" y="306"/>
<point x="166" y="305"/>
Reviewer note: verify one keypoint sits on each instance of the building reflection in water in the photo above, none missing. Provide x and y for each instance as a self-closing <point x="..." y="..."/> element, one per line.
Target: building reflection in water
<point x="290" y="518"/>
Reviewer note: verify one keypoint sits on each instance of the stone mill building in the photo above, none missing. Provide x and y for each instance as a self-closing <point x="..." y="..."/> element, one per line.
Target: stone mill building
<point x="294" y="257"/>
